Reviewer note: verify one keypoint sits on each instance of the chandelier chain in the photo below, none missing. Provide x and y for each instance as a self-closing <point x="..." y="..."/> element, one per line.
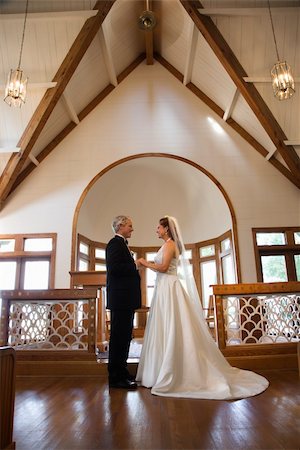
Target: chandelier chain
<point x="275" y="42"/>
<point x="23" y="34"/>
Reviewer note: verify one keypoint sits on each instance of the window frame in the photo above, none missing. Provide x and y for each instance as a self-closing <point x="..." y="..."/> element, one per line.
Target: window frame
<point x="289" y="250"/>
<point x="82" y="256"/>
<point x="20" y="256"/>
<point x="141" y="252"/>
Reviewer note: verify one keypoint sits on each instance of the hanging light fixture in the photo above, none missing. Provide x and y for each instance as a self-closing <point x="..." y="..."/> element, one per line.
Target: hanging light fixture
<point x="147" y="20"/>
<point x="15" y="91"/>
<point x="282" y="79"/>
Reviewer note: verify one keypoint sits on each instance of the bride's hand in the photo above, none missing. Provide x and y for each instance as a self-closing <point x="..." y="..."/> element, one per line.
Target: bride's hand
<point x="140" y="262"/>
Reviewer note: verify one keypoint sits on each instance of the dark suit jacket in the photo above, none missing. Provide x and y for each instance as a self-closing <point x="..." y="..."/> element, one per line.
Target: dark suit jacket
<point x="123" y="280"/>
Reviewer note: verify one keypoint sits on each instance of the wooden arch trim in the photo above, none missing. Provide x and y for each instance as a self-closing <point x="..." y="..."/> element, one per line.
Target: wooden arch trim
<point x="158" y="155"/>
<point x="237" y="73"/>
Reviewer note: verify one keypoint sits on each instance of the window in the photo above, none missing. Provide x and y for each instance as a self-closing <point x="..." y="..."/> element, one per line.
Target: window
<point x="277" y="254"/>
<point x="270" y="238"/>
<point x="84" y="254"/>
<point x="36" y="274"/>
<point x="90" y="254"/>
<point x="209" y="250"/>
<point x="212" y="261"/>
<point x="227" y="262"/>
<point x="216" y="265"/>
<point x="8" y="271"/>
<point x="208" y="273"/>
<point x="38" y="244"/>
<point x="7" y="245"/>
<point x="100" y="253"/>
<point x="273" y="268"/>
<point x="27" y="261"/>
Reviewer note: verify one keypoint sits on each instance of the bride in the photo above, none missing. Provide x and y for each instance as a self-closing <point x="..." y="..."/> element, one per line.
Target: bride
<point x="179" y="357"/>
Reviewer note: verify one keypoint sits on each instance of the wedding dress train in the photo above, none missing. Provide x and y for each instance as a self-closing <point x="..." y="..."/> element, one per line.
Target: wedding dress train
<point x="179" y="357"/>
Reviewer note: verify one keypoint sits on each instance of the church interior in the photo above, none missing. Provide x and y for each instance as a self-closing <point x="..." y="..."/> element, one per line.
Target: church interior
<point x="147" y="108"/>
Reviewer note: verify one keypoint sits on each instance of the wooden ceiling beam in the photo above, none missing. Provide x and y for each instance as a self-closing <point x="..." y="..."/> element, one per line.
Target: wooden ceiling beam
<point x="51" y="97"/>
<point x="191" y="51"/>
<point x="237" y="73"/>
<point x="149" y="37"/>
<point x="149" y="47"/>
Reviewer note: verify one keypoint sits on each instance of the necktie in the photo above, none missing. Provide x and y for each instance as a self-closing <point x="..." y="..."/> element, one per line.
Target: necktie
<point x="131" y="253"/>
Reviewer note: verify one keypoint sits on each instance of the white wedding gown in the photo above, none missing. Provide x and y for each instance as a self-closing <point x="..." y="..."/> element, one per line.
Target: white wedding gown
<point x="179" y="357"/>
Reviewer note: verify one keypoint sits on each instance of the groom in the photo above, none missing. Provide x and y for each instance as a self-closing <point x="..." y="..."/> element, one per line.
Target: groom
<point x="123" y="297"/>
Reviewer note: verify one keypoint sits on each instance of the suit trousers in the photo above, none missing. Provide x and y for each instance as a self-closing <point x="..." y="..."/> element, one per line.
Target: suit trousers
<point x="121" y="325"/>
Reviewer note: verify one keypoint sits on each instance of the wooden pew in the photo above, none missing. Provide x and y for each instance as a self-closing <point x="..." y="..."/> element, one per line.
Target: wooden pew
<point x="7" y="396"/>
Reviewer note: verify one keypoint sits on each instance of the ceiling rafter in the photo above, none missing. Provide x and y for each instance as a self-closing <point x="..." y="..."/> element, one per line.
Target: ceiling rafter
<point x="231" y="122"/>
<point x="231" y="105"/>
<point x="66" y="99"/>
<point x="108" y="59"/>
<point x="149" y="38"/>
<point x="190" y="58"/>
<point x="48" y="102"/>
<point x="237" y="73"/>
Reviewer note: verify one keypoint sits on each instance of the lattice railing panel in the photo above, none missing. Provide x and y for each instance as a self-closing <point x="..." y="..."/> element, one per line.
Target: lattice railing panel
<point x="262" y="319"/>
<point x="49" y="325"/>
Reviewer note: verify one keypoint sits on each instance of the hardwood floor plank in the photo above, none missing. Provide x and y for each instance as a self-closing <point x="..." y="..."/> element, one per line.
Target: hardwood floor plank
<point x="77" y="413"/>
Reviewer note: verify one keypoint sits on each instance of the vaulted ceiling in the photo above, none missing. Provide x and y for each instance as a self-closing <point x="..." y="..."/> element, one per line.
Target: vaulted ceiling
<point x="77" y="52"/>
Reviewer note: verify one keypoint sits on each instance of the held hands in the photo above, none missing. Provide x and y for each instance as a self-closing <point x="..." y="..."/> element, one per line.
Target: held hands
<point x="141" y="263"/>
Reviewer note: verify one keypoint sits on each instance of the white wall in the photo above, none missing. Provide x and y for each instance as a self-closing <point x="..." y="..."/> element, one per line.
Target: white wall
<point x="150" y="111"/>
<point x="148" y="189"/>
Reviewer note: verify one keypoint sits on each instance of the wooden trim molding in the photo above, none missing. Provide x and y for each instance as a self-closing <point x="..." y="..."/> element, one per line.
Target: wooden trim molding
<point x="158" y="155"/>
<point x="256" y="288"/>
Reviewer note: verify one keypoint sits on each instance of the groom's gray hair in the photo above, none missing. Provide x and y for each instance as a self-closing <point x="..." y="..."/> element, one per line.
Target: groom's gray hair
<point x="118" y="221"/>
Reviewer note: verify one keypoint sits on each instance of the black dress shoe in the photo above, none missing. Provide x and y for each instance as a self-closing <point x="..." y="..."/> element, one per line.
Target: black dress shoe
<point x="130" y="377"/>
<point x="123" y="384"/>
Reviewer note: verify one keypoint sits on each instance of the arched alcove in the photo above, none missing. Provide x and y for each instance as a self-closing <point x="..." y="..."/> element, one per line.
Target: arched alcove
<point x="147" y="187"/>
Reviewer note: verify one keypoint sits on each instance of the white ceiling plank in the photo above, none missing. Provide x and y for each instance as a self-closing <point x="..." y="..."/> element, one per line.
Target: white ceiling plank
<point x="295" y="142"/>
<point x="231" y="105"/>
<point x="190" y="58"/>
<point x="10" y="149"/>
<point x="247" y="11"/>
<point x="69" y="107"/>
<point x="107" y="57"/>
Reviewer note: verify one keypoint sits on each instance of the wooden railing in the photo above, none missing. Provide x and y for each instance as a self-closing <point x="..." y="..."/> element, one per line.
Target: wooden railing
<point x="56" y="325"/>
<point x="97" y="279"/>
<point x="259" y="322"/>
<point x="256" y="325"/>
<point x="7" y="396"/>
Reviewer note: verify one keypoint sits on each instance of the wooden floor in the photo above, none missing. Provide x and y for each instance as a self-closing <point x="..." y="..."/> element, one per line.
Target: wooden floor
<point x="82" y="413"/>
